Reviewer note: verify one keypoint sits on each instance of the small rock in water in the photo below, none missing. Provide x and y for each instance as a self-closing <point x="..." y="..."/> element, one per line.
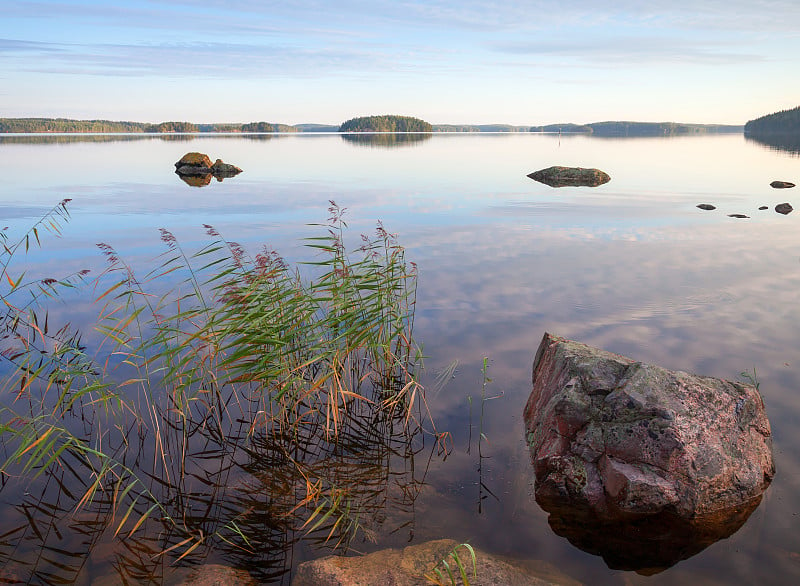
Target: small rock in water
<point x="570" y="176"/>
<point x="783" y="208"/>
<point x="781" y="184"/>
<point x="706" y="206"/>
<point x="763" y="207"/>
<point x="196" y="169"/>
<point x="737" y="216"/>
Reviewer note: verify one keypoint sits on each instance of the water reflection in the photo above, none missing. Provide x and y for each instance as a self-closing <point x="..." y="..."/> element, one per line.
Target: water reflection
<point x="386" y="140"/>
<point x="631" y="266"/>
<point x="230" y="482"/>
<point x="52" y="138"/>
<point x="72" y="138"/>
<point x="788" y="143"/>
<point x="648" y="545"/>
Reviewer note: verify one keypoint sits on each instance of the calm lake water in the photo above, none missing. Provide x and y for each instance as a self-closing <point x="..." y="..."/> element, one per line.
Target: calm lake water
<point x="632" y="266"/>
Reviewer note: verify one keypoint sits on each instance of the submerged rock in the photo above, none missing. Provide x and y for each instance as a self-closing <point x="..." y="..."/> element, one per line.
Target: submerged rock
<point x="784" y="208"/>
<point x="706" y="206"/>
<point x="617" y="443"/>
<point x="570" y="176"/>
<point x="781" y="184"/>
<point x="215" y="575"/>
<point x="408" y="566"/>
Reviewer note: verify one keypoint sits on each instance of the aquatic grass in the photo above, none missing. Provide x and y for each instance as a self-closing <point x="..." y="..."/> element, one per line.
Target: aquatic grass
<point x="451" y="567"/>
<point x="213" y="357"/>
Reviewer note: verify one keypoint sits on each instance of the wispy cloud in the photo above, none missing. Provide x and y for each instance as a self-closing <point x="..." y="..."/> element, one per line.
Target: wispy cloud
<point x="632" y="50"/>
<point x="195" y="59"/>
<point x="19" y="46"/>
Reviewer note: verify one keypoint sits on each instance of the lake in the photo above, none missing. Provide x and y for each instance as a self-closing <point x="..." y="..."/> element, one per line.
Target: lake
<point x="632" y="266"/>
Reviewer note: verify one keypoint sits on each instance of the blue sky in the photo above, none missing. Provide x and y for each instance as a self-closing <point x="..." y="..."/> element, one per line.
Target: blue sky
<point x="447" y="61"/>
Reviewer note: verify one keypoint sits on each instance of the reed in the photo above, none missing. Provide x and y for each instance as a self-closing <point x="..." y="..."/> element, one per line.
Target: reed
<point x="216" y="356"/>
<point x="452" y="567"/>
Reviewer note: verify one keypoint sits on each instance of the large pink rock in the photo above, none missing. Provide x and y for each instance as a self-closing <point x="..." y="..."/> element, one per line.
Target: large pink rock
<point x="623" y="440"/>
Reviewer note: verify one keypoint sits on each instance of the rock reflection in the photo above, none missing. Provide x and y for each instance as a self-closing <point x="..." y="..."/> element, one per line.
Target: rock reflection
<point x="196" y="180"/>
<point x="647" y="545"/>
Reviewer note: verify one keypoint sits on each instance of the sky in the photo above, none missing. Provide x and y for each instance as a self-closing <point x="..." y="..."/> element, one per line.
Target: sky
<point x="524" y="62"/>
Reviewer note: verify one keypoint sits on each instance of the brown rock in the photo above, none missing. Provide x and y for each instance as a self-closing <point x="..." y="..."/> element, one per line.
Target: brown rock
<point x="784" y="208"/>
<point x="706" y="206"/>
<point x="737" y="216"/>
<point x="781" y="184"/>
<point x="408" y="567"/>
<point x="570" y="176"/>
<point x="194" y="160"/>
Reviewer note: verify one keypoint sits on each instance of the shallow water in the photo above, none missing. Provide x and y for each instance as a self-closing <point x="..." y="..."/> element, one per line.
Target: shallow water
<point x="631" y="266"/>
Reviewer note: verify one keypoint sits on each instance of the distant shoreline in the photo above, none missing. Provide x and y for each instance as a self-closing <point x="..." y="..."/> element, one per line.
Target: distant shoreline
<point x="62" y="126"/>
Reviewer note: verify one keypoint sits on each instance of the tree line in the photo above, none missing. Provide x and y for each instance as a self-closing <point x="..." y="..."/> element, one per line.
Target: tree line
<point x="783" y="122"/>
<point x="66" y="125"/>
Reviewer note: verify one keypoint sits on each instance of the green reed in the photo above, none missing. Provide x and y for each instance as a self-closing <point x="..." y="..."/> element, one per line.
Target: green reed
<point x="453" y="567"/>
<point x="243" y="354"/>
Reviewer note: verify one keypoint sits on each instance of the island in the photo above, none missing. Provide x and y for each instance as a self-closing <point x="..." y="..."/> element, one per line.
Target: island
<point x="385" y="123"/>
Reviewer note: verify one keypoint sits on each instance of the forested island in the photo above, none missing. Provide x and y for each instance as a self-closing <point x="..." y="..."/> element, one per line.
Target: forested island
<point x="386" y="123"/>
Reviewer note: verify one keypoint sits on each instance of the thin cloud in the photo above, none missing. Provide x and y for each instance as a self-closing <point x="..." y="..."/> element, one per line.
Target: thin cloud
<point x="199" y="59"/>
<point x="483" y="15"/>
<point x="19" y="46"/>
<point x="631" y="50"/>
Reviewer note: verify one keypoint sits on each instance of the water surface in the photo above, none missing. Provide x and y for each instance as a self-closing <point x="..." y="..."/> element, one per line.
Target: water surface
<point x="631" y="266"/>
